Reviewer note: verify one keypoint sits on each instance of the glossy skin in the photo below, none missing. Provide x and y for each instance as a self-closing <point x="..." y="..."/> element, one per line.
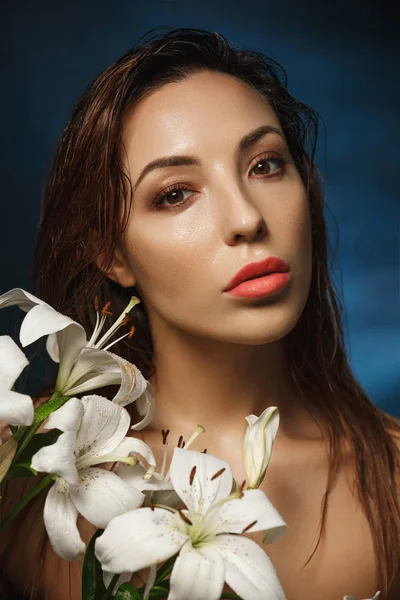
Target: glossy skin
<point x="229" y="350"/>
<point x="236" y="211"/>
<point x="220" y="358"/>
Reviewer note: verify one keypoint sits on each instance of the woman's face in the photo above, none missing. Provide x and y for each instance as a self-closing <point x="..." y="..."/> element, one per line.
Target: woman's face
<point x="234" y="207"/>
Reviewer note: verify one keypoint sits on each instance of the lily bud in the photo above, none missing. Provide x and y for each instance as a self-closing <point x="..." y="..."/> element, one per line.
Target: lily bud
<point x="258" y="441"/>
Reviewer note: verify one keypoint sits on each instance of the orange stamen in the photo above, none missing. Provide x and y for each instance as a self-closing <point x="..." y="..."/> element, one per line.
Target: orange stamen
<point x="125" y="320"/>
<point x="184" y="517"/>
<point x="218" y="473"/>
<point x="104" y="310"/>
<point x="249" y="526"/>
<point x="164" y="436"/>
<point x="242" y="485"/>
<point x="192" y="474"/>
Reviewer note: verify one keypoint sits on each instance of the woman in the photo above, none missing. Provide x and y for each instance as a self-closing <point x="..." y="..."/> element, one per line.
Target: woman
<point x="182" y="163"/>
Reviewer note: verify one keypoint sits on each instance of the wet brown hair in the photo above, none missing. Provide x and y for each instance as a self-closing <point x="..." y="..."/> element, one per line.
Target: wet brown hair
<point x="85" y="213"/>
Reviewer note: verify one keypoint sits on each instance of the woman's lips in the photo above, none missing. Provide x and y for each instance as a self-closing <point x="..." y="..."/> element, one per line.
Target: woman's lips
<point x="270" y="265"/>
<point x="262" y="286"/>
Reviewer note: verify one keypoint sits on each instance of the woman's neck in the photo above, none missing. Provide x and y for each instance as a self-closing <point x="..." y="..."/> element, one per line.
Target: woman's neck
<point x="216" y="384"/>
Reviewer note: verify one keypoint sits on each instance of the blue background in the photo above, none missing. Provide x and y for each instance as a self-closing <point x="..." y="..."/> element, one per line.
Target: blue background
<point x="341" y="59"/>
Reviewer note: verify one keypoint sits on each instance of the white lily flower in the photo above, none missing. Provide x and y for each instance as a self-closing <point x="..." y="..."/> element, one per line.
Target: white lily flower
<point x="258" y="441"/>
<point x="353" y="598"/>
<point x="205" y="535"/>
<point x="94" y="432"/>
<point x="15" y="408"/>
<point x="158" y="488"/>
<point x="84" y="364"/>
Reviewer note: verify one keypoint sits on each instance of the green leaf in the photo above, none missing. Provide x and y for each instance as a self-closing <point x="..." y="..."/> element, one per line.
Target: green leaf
<point x="165" y="569"/>
<point x="109" y="591"/>
<point x="158" y="592"/>
<point x="38" y="441"/>
<point x="93" y="587"/>
<point x="36" y="490"/>
<point x="25" y="434"/>
<point x="126" y="591"/>
<point x="22" y="470"/>
<point x="43" y="411"/>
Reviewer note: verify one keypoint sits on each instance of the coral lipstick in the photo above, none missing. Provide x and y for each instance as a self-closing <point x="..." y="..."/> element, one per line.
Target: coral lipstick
<point x="262" y="286"/>
<point x="257" y="280"/>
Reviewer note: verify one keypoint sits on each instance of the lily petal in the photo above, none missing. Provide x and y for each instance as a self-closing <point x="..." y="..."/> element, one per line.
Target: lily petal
<point x="129" y="445"/>
<point x="12" y="362"/>
<point x="161" y="491"/>
<point x="150" y="582"/>
<point x="197" y="574"/>
<point x="16" y="408"/>
<point x="42" y="320"/>
<point x="19" y="297"/>
<point x="145" y="405"/>
<point x="204" y="490"/>
<point x="135" y="477"/>
<point x="258" y="441"/>
<point x="249" y="571"/>
<point x="234" y="516"/>
<point x="66" y="418"/>
<point x="134" y="386"/>
<point x="95" y="368"/>
<point x="93" y="382"/>
<point x="71" y="340"/>
<point x="52" y="347"/>
<point x="58" y="458"/>
<point x="123" y="578"/>
<point x="158" y="533"/>
<point x="60" y="517"/>
<point x="103" y="427"/>
<point x="101" y="495"/>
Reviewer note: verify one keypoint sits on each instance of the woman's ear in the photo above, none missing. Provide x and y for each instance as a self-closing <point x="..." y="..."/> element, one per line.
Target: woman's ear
<point x="119" y="271"/>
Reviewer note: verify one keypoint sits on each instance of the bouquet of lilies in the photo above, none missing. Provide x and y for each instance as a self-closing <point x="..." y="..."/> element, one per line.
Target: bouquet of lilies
<point x="186" y="525"/>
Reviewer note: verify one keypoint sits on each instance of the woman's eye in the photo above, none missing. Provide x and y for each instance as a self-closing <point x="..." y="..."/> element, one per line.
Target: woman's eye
<point x="175" y="193"/>
<point x="275" y="159"/>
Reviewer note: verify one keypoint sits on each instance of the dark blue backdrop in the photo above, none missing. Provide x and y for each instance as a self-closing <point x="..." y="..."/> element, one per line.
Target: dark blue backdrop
<point x="342" y="59"/>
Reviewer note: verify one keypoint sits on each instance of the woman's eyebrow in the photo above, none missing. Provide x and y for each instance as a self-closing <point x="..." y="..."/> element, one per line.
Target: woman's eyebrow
<point x="186" y="159"/>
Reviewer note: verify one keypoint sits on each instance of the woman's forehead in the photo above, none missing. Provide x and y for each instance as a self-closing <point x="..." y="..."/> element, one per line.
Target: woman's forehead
<point x="200" y="111"/>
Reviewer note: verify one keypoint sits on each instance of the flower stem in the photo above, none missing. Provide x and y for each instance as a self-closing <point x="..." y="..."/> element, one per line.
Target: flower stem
<point x="36" y="490"/>
<point x="110" y="589"/>
<point x="41" y="415"/>
<point x="165" y="570"/>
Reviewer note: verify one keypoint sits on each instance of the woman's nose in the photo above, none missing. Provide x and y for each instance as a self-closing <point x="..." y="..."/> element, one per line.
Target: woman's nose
<point x="241" y="217"/>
